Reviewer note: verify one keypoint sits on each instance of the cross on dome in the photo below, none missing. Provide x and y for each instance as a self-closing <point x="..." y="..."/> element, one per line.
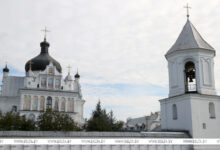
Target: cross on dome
<point x="30" y="64"/>
<point x="45" y="33"/>
<point x="69" y="69"/>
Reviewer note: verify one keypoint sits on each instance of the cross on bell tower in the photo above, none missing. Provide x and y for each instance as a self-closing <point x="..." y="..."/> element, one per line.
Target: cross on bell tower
<point x="187" y="10"/>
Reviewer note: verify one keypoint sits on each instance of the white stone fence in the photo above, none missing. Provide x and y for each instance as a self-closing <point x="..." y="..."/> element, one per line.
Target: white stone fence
<point x="91" y="135"/>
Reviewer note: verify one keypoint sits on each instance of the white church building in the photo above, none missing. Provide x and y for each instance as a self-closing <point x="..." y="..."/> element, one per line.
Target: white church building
<point x="43" y="87"/>
<point x="192" y="104"/>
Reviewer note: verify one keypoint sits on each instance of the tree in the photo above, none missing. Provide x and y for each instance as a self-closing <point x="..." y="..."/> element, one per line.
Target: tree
<point x="101" y="121"/>
<point x="13" y="121"/>
<point x="55" y="121"/>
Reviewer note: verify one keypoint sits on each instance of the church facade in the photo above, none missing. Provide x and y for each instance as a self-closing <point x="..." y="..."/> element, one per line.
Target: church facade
<point x="42" y="87"/>
<point x="192" y="104"/>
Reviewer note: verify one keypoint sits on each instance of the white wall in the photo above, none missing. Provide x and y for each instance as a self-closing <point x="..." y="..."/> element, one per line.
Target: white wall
<point x="184" y="120"/>
<point x="200" y="115"/>
<point x="193" y="111"/>
<point x="6" y="103"/>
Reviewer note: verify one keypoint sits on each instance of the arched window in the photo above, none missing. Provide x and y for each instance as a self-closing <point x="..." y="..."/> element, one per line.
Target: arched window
<point x="63" y="104"/>
<point x="174" y="109"/>
<point x="211" y="110"/>
<point x="56" y="105"/>
<point x="42" y="102"/>
<point x="27" y="102"/>
<point x="70" y="104"/>
<point x="190" y="77"/>
<point x="35" y="103"/>
<point x="49" y="102"/>
<point x="31" y="117"/>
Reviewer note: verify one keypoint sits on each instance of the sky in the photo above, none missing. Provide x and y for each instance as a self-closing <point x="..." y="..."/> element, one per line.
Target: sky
<point x="117" y="45"/>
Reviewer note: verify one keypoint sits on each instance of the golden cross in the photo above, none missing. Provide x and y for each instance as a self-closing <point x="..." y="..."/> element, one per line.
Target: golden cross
<point x="69" y="67"/>
<point x="45" y="33"/>
<point x="187" y="9"/>
<point x="30" y="65"/>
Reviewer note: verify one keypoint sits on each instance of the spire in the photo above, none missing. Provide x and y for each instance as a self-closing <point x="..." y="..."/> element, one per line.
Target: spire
<point x="189" y="38"/>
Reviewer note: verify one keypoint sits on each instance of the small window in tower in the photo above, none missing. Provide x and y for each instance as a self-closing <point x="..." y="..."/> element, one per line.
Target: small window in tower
<point x="211" y="110"/>
<point x="174" y="107"/>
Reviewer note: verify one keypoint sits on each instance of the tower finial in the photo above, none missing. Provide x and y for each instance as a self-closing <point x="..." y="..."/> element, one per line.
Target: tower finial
<point x="187" y="10"/>
<point x="45" y="33"/>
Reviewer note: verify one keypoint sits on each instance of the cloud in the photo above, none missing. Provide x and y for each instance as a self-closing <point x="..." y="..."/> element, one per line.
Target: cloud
<point x="111" y="42"/>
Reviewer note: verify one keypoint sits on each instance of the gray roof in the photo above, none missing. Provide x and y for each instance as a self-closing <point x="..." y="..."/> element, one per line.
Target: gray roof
<point x="189" y="38"/>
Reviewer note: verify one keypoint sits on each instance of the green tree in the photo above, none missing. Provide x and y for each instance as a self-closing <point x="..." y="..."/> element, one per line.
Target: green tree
<point x="13" y="121"/>
<point x="55" y="121"/>
<point x="102" y="121"/>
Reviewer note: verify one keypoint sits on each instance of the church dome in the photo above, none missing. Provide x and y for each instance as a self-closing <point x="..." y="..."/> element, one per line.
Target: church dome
<point x="68" y="77"/>
<point x="6" y="69"/>
<point x="77" y="75"/>
<point x="40" y="62"/>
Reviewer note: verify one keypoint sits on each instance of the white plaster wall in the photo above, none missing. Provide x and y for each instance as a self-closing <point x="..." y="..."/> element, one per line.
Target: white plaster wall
<point x="193" y="111"/>
<point x="11" y="85"/>
<point x="6" y="103"/>
<point x="184" y="120"/>
<point x="200" y="115"/>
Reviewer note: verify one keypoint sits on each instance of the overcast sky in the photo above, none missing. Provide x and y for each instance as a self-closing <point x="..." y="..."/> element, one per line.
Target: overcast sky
<point x="118" y="45"/>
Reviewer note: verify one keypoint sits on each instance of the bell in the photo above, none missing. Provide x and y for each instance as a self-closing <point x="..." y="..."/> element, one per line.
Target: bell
<point x="190" y="80"/>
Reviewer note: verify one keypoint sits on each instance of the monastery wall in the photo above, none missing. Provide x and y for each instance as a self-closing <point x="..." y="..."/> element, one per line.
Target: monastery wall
<point x="92" y="135"/>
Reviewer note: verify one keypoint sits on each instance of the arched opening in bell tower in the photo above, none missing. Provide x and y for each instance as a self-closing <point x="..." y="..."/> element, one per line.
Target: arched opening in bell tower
<point x="190" y="77"/>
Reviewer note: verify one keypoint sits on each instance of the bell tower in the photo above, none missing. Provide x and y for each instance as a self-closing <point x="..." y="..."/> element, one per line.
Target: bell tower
<point x="191" y="64"/>
<point x="192" y="105"/>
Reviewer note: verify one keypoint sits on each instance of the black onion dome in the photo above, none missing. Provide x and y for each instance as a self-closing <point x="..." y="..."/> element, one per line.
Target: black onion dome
<point x="40" y="62"/>
<point x="6" y="69"/>
<point x="77" y="75"/>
